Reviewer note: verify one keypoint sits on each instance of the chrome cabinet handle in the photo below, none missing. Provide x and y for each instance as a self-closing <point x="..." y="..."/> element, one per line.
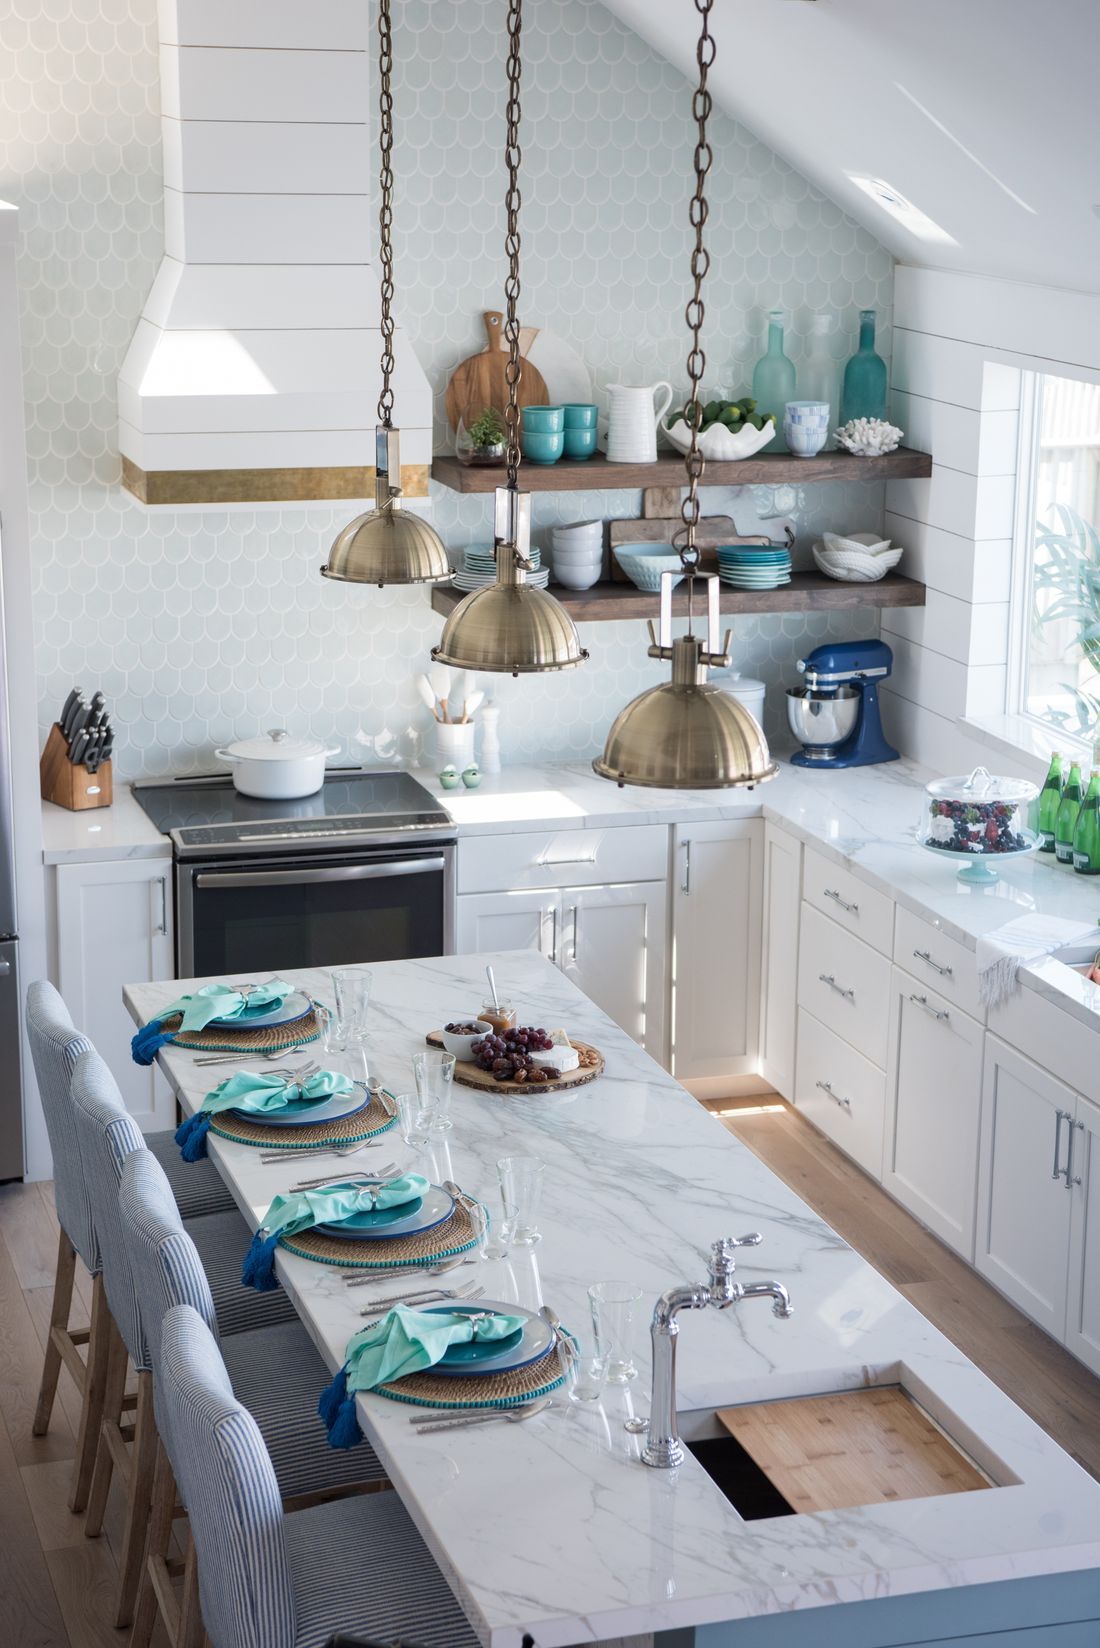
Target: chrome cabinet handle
<point x="827" y="1087"/>
<point x="554" y="934"/>
<point x="573" y="941"/>
<point x="1072" y="1178"/>
<point x="852" y="909"/>
<point x="922" y="1001"/>
<point x="827" y="978"/>
<point x="685" y="882"/>
<point x="553" y="863"/>
<point x="944" y="972"/>
<point x="162" y="925"/>
<point x="1060" y="1116"/>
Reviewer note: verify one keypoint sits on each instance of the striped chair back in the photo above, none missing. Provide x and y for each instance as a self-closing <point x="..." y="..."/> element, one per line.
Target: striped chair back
<point x="164" y="1262"/>
<point x="106" y="1134"/>
<point x="228" y="1484"/>
<point x="56" y="1044"/>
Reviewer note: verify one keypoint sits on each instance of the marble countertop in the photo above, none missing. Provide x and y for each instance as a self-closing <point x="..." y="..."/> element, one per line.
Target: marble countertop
<point x="122" y="830"/>
<point x="555" y="1527"/>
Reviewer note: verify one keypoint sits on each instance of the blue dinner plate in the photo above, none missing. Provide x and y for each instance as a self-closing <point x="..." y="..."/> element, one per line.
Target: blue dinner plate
<point x="425" y="1213"/>
<point x="535" y="1339"/>
<point x="292" y="1008"/>
<point x="305" y="1113"/>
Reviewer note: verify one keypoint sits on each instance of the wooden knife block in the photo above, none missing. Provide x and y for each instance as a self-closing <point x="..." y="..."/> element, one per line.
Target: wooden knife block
<point x="71" y="786"/>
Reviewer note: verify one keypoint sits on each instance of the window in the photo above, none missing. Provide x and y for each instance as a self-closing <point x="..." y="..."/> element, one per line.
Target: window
<point x="1057" y="663"/>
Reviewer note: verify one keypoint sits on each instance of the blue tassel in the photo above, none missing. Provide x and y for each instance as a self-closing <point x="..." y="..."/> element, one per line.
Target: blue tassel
<point x="191" y="1136"/>
<point x="259" y="1263"/>
<point x="337" y="1409"/>
<point x="148" y="1041"/>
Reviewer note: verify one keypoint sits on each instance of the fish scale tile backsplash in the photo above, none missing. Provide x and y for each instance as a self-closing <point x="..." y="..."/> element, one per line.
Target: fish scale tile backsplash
<point x="199" y="625"/>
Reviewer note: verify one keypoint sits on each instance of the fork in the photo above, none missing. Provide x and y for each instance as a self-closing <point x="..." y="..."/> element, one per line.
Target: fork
<point x="256" y="1055"/>
<point x="356" y="1278"/>
<point x="296" y="1153"/>
<point x="467" y="1293"/>
<point x="467" y="1421"/>
<point x="385" y="1175"/>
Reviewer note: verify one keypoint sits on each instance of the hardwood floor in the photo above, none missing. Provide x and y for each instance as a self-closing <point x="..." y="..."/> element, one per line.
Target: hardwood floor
<point x="1042" y="1378"/>
<point x="57" y="1588"/>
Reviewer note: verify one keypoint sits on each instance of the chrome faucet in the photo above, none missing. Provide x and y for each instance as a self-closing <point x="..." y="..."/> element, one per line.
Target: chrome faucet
<point x="663" y="1447"/>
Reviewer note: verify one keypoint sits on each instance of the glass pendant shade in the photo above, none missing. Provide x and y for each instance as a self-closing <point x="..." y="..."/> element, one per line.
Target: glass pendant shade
<point x="508" y="627"/>
<point x="387" y="545"/>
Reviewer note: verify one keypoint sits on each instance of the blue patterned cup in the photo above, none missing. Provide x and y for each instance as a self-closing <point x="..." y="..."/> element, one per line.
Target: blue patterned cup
<point x="542" y="447"/>
<point x="546" y="420"/>
<point x="580" y="415"/>
<point x="579" y="443"/>
<point x="805" y="427"/>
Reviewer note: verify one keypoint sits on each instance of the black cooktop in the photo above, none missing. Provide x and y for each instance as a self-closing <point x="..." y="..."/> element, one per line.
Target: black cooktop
<point x="360" y="805"/>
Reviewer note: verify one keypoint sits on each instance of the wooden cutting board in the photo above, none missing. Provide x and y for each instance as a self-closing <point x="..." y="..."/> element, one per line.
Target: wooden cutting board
<point x="471" y="1075"/>
<point x="479" y="382"/>
<point x="661" y="520"/>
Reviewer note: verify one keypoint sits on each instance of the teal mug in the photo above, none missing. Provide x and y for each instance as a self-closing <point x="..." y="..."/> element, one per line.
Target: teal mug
<point x="580" y="415"/>
<point x="546" y="420"/>
<point x="542" y="447"/>
<point x="579" y="443"/>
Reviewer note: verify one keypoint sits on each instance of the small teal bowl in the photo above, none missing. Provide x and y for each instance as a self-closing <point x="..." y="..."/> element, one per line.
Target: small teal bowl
<point x="579" y="415"/>
<point x="545" y="419"/>
<point x="579" y="443"/>
<point x="542" y="447"/>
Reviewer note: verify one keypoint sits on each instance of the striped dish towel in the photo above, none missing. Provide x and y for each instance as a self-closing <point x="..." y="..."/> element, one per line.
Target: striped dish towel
<point x="1029" y="938"/>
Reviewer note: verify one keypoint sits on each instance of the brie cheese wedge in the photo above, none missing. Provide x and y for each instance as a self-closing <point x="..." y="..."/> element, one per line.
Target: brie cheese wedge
<point x="558" y="1058"/>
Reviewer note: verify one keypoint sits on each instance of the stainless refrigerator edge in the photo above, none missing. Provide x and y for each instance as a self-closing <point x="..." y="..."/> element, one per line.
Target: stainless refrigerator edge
<point x="11" y="1073"/>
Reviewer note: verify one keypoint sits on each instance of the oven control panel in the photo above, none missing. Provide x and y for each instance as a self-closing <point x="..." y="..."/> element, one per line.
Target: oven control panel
<point x="286" y="835"/>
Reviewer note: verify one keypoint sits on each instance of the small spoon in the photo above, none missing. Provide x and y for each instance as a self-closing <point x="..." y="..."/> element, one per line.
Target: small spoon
<point x="514" y="1416"/>
<point x="489" y="974"/>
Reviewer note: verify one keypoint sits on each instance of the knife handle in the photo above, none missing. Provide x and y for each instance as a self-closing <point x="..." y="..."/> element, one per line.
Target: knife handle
<point x="466" y="1423"/>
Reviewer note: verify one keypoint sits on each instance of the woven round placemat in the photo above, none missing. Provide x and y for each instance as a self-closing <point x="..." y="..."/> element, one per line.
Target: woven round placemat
<point x="495" y="1390"/>
<point x="375" y="1118"/>
<point x="455" y="1235"/>
<point x="273" y="1039"/>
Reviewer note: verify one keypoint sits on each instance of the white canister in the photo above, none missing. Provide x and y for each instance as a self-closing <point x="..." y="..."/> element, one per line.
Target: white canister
<point x="746" y="691"/>
<point x="454" y="744"/>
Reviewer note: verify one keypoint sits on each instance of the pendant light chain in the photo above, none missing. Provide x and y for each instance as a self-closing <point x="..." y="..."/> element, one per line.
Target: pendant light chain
<point x="695" y="311"/>
<point x="512" y="201"/>
<point x="385" y="211"/>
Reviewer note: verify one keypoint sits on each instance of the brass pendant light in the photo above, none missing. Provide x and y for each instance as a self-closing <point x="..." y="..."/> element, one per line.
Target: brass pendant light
<point x="387" y="546"/>
<point x="509" y="627"/>
<point x="686" y="734"/>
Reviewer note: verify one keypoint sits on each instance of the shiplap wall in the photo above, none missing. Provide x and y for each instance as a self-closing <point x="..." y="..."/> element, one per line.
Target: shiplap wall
<point x="960" y="345"/>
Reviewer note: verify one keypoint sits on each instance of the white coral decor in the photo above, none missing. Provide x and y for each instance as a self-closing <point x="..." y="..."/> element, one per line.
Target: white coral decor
<point x="869" y="437"/>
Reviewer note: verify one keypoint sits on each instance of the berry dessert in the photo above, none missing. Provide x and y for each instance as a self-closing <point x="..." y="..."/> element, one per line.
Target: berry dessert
<point x="514" y="1056"/>
<point x="978" y="814"/>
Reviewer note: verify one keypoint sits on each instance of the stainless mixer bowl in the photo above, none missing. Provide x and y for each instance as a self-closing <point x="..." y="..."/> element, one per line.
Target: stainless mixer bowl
<point x="821" y="722"/>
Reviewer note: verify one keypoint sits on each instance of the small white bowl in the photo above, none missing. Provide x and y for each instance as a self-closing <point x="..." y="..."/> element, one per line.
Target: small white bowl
<point x="577" y="577"/>
<point x="581" y="532"/>
<point x="462" y="1046"/>
<point x="578" y="552"/>
<point x="722" y="444"/>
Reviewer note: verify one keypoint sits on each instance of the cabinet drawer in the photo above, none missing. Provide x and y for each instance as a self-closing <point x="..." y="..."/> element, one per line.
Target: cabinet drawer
<point x="848" y="900"/>
<point x="933" y="958"/>
<point x="844" y="984"/>
<point x="562" y="858"/>
<point x="841" y="1092"/>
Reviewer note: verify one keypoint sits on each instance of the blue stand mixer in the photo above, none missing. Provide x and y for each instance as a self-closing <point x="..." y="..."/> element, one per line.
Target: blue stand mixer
<point x="836" y="716"/>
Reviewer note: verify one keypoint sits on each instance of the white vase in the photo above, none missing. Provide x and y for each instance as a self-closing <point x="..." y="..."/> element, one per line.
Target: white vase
<point x="490" y="737"/>
<point x="454" y="744"/>
<point x="633" y="417"/>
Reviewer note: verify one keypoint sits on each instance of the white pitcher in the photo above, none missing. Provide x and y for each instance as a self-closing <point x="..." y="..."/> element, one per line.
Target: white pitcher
<point x="633" y="419"/>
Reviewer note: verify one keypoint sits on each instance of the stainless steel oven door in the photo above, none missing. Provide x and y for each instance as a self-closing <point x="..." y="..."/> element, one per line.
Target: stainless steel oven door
<point x="234" y="918"/>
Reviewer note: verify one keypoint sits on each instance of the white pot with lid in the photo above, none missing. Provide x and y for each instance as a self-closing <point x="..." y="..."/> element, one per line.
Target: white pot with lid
<point x="273" y="766"/>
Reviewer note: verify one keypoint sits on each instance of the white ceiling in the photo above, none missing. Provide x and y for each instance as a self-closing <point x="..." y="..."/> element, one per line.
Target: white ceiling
<point x="1004" y="158"/>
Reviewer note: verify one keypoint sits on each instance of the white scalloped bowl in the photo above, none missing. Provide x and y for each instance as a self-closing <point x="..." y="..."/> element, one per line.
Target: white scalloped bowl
<point x="857" y="562"/>
<point x="722" y="444"/>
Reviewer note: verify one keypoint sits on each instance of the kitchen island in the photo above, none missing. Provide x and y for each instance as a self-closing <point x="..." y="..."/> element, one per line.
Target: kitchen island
<point x="554" y="1530"/>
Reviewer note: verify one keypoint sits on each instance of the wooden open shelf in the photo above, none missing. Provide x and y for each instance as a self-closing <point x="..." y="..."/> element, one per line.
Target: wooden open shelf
<point x="806" y="592"/>
<point x="772" y="469"/>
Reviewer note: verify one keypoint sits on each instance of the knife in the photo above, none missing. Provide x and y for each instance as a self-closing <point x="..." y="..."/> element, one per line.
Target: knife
<point x="93" y="753"/>
<point x="77" y="747"/>
<point x="73" y="698"/>
<point x="77" y="710"/>
<point x="108" y="741"/>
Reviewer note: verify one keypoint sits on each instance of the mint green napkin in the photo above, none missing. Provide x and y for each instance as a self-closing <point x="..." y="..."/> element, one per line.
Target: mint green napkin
<point x="256" y="1091"/>
<point x="219" y="1001"/>
<point x="407" y="1341"/>
<point x="305" y="1208"/>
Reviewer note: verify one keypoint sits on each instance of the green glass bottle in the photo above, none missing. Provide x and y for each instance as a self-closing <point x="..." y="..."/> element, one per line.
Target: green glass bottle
<point x="773" y="380"/>
<point x="1049" y="797"/>
<point x="863" y="394"/>
<point x="1086" y="834"/>
<point x="1066" y="822"/>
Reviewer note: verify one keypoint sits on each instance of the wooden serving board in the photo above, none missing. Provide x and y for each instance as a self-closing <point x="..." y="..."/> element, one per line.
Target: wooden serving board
<point x="661" y="520"/>
<point x="863" y="1447"/>
<point x="479" y="382"/>
<point x="471" y="1076"/>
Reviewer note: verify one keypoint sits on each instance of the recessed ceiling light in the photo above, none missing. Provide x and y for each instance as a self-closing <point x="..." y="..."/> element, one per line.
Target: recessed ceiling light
<point x="902" y="210"/>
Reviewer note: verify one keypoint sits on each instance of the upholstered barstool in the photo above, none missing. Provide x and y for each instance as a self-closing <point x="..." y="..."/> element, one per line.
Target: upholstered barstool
<point x="270" y="1579"/>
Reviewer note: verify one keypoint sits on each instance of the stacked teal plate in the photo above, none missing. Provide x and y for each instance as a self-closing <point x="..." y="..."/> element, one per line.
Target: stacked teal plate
<point x="745" y="568"/>
<point x="479" y="568"/>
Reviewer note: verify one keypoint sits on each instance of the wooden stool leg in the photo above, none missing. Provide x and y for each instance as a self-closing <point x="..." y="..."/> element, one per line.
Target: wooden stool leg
<point x="95" y="1387"/>
<point x="191" y="1633"/>
<point x="59" y="1318"/>
<point x="111" y="1415"/>
<point x="156" y="1550"/>
<point x="139" y="1494"/>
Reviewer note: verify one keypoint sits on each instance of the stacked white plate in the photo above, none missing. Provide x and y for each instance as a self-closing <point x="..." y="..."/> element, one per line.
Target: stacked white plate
<point x="479" y="568"/>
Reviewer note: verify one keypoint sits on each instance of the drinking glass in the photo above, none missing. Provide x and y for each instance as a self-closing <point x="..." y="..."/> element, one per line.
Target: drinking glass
<point x="351" y="987"/>
<point x="410" y="1119"/>
<point x="332" y="1041"/>
<point x="613" y="1308"/>
<point x="434" y="1072"/>
<point x="520" y="1189"/>
<point x="492" y="1234"/>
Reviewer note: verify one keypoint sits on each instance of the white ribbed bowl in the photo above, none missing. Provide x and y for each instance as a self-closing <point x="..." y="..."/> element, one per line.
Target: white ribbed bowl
<point x="858" y="543"/>
<point x="856" y="566"/>
<point x="722" y="444"/>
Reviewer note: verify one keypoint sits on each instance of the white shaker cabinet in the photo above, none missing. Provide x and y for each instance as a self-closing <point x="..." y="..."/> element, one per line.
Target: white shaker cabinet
<point x="1025" y="1204"/>
<point x="934" y="1101"/>
<point x="717" y="904"/>
<point x="114" y="927"/>
<point x="779" y="958"/>
<point x="1083" y="1304"/>
<point x="524" y="920"/>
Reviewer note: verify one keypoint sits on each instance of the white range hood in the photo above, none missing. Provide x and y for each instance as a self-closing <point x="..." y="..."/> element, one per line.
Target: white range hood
<point x="253" y="374"/>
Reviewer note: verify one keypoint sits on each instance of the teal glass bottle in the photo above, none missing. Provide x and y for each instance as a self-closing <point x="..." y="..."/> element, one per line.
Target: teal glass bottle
<point x="773" y="380"/>
<point x="863" y="394"/>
